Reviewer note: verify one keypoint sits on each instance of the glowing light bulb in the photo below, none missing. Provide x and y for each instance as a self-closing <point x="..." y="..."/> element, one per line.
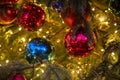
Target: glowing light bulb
<point x="109" y="9"/>
<point x="106" y="11"/>
<point x="11" y="32"/>
<point x="38" y="75"/>
<point x="113" y="53"/>
<point x="73" y="72"/>
<point x="47" y="32"/>
<point x="101" y="19"/>
<point x="7" y="61"/>
<point x="20" y="29"/>
<point x="20" y="49"/>
<point x="93" y="9"/>
<point x="43" y="65"/>
<point x="23" y="39"/>
<point x="115" y="24"/>
<point x="42" y="70"/>
<point x="102" y="50"/>
<point x="80" y="69"/>
<point x="40" y="29"/>
<point x="40" y="4"/>
<point x="63" y="22"/>
<point x="58" y="41"/>
<point x="106" y="23"/>
<point x="44" y="36"/>
<point x="116" y="31"/>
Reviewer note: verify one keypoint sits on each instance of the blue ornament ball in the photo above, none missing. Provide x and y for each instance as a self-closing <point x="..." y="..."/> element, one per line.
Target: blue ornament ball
<point x="57" y="6"/>
<point x="37" y="50"/>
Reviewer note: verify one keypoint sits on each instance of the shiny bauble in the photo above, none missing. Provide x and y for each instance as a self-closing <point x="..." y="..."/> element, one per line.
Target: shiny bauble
<point x="57" y="6"/>
<point x="17" y="76"/>
<point x="115" y="7"/>
<point x="38" y="50"/>
<point x="31" y="17"/>
<point x="78" y="45"/>
<point x="8" y="14"/>
<point x="72" y="18"/>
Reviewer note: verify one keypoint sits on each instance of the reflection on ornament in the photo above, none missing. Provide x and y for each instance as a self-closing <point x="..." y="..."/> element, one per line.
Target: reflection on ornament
<point x="78" y="45"/>
<point x="7" y="14"/>
<point x="31" y="17"/>
<point x="115" y="7"/>
<point x="37" y="50"/>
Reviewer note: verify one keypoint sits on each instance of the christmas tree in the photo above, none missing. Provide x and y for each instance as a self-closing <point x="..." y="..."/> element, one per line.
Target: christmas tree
<point x="59" y="40"/>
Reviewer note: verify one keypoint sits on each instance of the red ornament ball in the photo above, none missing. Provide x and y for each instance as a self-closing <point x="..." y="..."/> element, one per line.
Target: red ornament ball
<point x="8" y="14"/>
<point x="8" y="1"/>
<point x="72" y="18"/>
<point x="78" y="45"/>
<point x="17" y="76"/>
<point x="31" y="17"/>
<point x="69" y="16"/>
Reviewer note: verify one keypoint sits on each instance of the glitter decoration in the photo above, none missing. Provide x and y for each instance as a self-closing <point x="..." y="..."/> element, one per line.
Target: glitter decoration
<point x="31" y="17"/>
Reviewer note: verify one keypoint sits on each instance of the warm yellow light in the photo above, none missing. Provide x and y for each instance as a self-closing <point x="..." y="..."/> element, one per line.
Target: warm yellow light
<point x="43" y="65"/>
<point x="102" y="50"/>
<point x="106" y="11"/>
<point x="20" y="29"/>
<point x="113" y="53"/>
<point x="40" y="29"/>
<point x="7" y="61"/>
<point x="106" y="23"/>
<point x="116" y="31"/>
<point x="11" y="32"/>
<point x="63" y="22"/>
<point x="38" y="75"/>
<point x="11" y="48"/>
<point x="115" y="24"/>
<point x="42" y="70"/>
<point x="79" y="62"/>
<point x="29" y="39"/>
<point x="44" y="36"/>
<point x="80" y="69"/>
<point x="20" y="49"/>
<point x="47" y="32"/>
<point x="45" y="7"/>
<point x="78" y="72"/>
<point x="23" y="39"/>
<point x="73" y="71"/>
<point x="58" y="40"/>
<point x="93" y="9"/>
<point x="101" y="19"/>
<point x="0" y="64"/>
<point x="40" y="5"/>
<point x="0" y="45"/>
<point x="109" y="9"/>
<point x="37" y="69"/>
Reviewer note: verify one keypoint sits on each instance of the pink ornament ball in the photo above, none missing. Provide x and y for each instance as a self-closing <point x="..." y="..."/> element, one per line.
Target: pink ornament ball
<point x="17" y="76"/>
<point x="78" y="45"/>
